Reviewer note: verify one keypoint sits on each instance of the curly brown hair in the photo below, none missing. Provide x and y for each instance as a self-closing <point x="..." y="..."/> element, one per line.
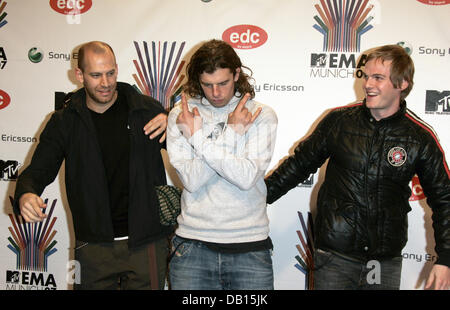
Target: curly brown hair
<point x="213" y="55"/>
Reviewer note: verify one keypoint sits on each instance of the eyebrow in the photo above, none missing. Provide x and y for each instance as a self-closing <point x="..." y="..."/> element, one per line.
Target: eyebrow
<point x="374" y="74"/>
<point x="100" y="73"/>
<point x="206" y="83"/>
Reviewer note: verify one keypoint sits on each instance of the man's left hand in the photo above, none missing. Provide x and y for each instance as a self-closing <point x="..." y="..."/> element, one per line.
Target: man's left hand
<point x="241" y="118"/>
<point x="440" y="277"/>
<point x="157" y="126"/>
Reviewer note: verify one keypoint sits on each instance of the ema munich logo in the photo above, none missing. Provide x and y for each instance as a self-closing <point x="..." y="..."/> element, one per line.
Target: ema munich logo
<point x="32" y="244"/>
<point x="159" y="71"/>
<point x="342" y="25"/>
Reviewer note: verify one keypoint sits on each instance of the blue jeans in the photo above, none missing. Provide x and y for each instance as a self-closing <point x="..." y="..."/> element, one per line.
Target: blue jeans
<point x="195" y="267"/>
<point x="334" y="272"/>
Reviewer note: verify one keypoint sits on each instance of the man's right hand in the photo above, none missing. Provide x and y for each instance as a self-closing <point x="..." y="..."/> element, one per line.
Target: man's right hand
<point x="30" y="207"/>
<point x="188" y="122"/>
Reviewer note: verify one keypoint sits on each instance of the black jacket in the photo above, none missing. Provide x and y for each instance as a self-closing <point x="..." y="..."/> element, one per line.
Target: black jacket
<point x="70" y="135"/>
<point x="363" y="203"/>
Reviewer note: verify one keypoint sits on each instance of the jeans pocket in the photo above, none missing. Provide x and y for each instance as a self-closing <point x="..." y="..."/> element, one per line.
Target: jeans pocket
<point x="180" y="247"/>
<point x="321" y="258"/>
<point x="263" y="257"/>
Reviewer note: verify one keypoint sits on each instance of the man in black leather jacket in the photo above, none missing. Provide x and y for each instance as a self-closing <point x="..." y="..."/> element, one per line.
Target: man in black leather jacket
<point x="374" y="148"/>
<point x="111" y="167"/>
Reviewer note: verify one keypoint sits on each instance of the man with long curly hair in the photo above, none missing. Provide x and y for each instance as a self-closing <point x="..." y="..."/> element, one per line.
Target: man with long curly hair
<point x="220" y="142"/>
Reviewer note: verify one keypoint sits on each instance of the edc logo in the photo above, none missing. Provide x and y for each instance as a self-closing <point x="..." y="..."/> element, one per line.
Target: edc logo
<point x="416" y="190"/>
<point x="71" y="7"/>
<point x="245" y="36"/>
<point x="5" y="99"/>
<point x="435" y="2"/>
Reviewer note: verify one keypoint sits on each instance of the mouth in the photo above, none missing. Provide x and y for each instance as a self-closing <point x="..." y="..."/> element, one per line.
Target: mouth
<point x="217" y="101"/>
<point x="370" y="94"/>
<point x="105" y="92"/>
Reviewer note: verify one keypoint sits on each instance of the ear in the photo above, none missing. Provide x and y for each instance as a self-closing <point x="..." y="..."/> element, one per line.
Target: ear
<point x="236" y="75"/>
<point x="404" y="85"/>
<point x="79" y="75"/>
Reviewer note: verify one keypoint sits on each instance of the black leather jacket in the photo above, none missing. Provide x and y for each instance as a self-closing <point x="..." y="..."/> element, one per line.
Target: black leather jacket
<point x="363" y="203"/>
<point x="70" y="135"/>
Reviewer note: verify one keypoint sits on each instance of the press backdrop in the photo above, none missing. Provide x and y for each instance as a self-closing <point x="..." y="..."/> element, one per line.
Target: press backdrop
<point x="306" y="58"/>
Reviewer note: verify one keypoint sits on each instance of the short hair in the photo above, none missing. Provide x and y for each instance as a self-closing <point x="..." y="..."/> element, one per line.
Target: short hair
<point x="213" y="55"/>
<point x="402" y="66"/>
<point x="97" y="47"/>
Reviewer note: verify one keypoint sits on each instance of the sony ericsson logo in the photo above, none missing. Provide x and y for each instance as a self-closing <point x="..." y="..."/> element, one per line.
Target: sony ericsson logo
<point x="35" y="54"/>
<point x="406" y="46"/>
<point x="3" y="14"/>
<point x="159" y="71"/>
<point x="32" y="244"/>
<point x="342" y="25"/>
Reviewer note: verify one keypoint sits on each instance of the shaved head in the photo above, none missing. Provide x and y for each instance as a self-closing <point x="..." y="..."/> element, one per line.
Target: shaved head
<point x="96" y="47"/>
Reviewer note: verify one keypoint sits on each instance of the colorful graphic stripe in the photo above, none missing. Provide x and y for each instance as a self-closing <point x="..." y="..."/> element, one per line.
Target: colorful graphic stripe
<point x="157" y="77"/>
<point x="32" y="242"/>
<point x="3" y="22"/>
<point x="306" y="250"/>
<point x="342" y="24"/>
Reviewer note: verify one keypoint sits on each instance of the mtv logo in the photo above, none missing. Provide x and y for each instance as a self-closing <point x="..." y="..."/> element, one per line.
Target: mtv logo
<point x="12" y="276"/>
<point x="9" y="169"/>
<point x="435" y="98"/>
<point x="318" y="60"/>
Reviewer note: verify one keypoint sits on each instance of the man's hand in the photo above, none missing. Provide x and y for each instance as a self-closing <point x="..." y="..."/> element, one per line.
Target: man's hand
<point x="188" y="122"/>
<point x="440" y="276"/>
<point x="241" y="118"/>
<point x="30" y="207"/>
<point x="157" y="126"/>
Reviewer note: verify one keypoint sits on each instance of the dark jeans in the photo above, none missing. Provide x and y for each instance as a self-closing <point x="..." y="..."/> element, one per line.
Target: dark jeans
<point x="195" y="267"/>
<point x="334" y="272"/>
<point x="112" y="266"/>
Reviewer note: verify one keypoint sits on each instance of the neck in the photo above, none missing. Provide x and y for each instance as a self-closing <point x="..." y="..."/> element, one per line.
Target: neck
<point x="100" y="107"/>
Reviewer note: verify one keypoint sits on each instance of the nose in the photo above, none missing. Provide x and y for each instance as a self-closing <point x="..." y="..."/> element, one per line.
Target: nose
<point x="367" y="82"/>
<point x="215" y="91"/>
<point x="104" y="81"/>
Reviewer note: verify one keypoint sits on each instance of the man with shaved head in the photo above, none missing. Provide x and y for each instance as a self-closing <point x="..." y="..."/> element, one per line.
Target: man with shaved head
<point x="111" y="169"/>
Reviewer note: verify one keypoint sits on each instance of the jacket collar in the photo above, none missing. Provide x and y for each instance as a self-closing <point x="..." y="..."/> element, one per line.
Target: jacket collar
<point x="78" y="100"/>
<point x="401" y="111"/>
